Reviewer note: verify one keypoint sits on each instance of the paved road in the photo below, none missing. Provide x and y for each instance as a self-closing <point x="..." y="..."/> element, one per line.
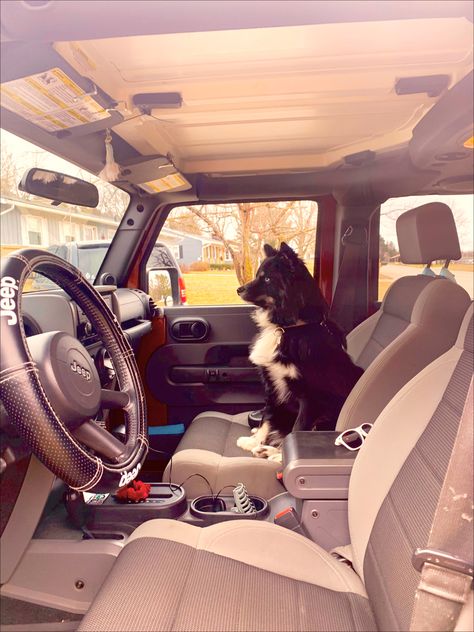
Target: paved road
<point x="395" y="271"/>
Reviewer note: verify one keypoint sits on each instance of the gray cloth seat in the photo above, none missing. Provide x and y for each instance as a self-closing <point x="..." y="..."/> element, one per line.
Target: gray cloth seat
<point x="248" y="575"/>
<point x="418" y="320"/>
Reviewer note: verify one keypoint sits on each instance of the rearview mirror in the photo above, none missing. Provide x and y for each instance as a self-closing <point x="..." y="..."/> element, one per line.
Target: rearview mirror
<point x="59" y="187"/>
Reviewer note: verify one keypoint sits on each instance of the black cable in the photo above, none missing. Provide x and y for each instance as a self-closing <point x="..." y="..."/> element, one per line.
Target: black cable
<point x="200" y="476"/>
<point x="221" y="490"/>
<point x="171" y="485"/>
<point x="176" y="487"/>
<point x="157" y="451"/>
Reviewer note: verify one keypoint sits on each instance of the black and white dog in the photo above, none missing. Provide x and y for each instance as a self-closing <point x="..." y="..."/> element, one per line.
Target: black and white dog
<point x="301" y="353"/>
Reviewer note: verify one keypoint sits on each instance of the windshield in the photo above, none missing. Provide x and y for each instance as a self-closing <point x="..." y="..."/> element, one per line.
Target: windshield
<point x="77" y="234"/>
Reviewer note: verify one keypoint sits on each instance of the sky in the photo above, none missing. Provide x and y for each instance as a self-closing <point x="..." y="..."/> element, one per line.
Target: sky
<point x="462" y="205"/>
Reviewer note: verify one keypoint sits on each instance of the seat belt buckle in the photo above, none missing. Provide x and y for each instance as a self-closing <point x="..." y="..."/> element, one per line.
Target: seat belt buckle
<point x="440" y="558"/>
<point x="289" y="519"/>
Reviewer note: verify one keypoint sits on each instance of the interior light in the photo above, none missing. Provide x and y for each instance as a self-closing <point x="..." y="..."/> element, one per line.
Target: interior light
<point x="469" y="143"/>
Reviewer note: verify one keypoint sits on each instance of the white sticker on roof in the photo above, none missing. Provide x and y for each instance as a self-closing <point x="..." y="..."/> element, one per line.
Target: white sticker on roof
<point x="51" y="100"/>
<point x="168" y="183"/>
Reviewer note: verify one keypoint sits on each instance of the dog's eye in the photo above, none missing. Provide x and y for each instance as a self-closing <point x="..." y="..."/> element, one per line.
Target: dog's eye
<point x="267" y="280"/>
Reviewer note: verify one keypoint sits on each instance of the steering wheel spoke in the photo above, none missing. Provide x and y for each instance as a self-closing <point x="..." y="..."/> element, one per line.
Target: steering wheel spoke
<point x="92" y="435"/>
<point x="114" y="399"/>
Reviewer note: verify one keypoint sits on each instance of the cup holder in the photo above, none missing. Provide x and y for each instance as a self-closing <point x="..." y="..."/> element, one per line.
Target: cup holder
<point x="259" y="503"/>
<point x="210" y="509"/>
<point x="207" y="504"/>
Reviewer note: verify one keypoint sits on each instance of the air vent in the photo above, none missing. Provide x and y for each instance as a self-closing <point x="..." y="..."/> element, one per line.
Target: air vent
<point x="153" y="307"/>
<point x="432" y="85"/>
<point x="106" y="278"/>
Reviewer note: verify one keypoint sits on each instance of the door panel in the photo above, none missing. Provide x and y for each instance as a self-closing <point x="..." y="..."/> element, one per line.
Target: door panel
<point x="207" y="370"/>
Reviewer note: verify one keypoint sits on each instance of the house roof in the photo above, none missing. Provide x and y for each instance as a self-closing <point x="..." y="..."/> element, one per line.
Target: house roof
<point x="98" y="219"/>
<point x="59" y="210"/>
<point x="178" y="233"/>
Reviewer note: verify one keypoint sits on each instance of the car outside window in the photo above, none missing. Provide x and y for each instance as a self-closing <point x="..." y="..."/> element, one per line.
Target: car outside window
<point x="391" y="268"/>
<point x="218" y="247"/>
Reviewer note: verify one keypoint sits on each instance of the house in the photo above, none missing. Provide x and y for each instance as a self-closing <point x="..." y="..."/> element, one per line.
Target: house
<point x="32" y="223"/>
<point x="189" y="247"/>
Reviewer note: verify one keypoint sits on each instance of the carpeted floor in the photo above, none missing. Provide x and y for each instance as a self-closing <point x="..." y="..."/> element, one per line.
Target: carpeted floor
<point x="16" y="612"/>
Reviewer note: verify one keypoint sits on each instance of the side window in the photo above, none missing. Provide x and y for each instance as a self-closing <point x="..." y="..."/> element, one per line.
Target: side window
<point x="204" y="253"/>
<point x="390" y="266"/>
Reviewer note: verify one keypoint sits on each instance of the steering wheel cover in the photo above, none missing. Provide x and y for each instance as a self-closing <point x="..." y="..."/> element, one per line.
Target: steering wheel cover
<point x="24" y="398"/>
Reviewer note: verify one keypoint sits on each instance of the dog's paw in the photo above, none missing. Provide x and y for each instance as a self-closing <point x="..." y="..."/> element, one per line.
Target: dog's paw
<point x="247" y="443"/>
<point x="266" y="452"/>
<point x="277" y="457"/>
<point x="260" y="451"/>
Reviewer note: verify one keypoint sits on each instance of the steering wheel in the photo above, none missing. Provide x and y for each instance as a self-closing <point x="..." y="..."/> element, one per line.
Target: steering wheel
<point x="50" y="387"/>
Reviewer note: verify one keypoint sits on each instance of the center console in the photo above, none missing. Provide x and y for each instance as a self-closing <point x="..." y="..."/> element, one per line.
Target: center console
<point x="104" y="514"/>
<point x="318" y="472"/>
<point x="315" y="467"/>
<point x="316" y="476"/>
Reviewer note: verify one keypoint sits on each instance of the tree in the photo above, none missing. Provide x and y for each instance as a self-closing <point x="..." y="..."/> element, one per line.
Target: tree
<point x="243" y="228"/>
<point x="387" y="249"/>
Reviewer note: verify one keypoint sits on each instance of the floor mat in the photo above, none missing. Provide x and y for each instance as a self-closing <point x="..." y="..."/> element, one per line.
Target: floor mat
<point x="16" y="612"/>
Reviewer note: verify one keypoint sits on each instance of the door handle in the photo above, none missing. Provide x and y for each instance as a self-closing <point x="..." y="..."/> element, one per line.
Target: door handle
<point x="190" y="329"/>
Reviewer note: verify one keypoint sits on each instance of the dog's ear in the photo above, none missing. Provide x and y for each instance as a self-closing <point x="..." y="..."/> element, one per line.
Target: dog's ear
<point x="269" y="250"/>
<point x="288" y="252"/>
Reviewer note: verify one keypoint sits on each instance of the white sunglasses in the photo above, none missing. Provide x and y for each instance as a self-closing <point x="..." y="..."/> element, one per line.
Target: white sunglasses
<point x="353" y="438"/>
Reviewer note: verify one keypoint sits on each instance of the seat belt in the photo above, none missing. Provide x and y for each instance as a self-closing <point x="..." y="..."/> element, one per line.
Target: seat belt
<point x="349" y="304"/>
<point x="446" y="564"/>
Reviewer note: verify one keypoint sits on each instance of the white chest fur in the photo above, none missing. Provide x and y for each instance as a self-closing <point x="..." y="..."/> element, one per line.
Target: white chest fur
<point x="265" y="352"/>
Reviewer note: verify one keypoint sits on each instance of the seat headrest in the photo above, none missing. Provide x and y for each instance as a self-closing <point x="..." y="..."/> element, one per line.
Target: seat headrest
<point x="428" y="233"/>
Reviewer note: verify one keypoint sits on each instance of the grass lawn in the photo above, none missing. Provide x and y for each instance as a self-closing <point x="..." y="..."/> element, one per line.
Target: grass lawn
<point x="219" y="288"/>
<point x="212" y="288"/>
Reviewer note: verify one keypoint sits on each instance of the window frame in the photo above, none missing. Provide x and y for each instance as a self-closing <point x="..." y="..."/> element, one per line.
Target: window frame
<point x="163" y="213"/>
<point x="25" y="218"/>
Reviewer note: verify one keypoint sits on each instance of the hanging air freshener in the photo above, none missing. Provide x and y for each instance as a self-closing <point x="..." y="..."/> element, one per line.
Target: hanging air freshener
<point x="111" y="170"/>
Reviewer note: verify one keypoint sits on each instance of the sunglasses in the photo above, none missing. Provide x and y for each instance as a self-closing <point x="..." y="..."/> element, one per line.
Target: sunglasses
<point x="353" y="438"/>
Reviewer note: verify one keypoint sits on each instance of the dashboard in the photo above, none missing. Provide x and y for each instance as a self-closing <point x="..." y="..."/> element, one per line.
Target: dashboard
<point x="54" y="310"/>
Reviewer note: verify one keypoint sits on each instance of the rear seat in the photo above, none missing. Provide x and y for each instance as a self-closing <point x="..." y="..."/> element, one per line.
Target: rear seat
<point x="418" y="321"/>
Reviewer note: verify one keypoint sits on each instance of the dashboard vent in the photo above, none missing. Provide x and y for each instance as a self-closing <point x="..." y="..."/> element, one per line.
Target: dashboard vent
<point x="154" y="309"/>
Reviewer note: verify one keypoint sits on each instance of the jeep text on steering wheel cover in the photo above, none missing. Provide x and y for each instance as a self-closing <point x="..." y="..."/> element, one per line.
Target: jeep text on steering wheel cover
<point x="25" y="399"/>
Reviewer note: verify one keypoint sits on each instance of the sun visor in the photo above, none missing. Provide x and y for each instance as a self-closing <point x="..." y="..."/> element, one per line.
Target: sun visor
<point x="155" y="174"/>
<point x="57" y="103"/>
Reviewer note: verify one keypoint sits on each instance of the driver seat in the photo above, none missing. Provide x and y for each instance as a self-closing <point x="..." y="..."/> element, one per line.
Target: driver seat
<point x="247" y="575"/>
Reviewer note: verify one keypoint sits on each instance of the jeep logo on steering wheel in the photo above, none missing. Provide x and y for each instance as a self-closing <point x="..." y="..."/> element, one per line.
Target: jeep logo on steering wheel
<point x="80" y="370"/>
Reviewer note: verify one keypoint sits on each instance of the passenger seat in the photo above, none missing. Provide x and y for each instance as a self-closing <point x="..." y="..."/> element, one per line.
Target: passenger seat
<point x="417" y="322"/>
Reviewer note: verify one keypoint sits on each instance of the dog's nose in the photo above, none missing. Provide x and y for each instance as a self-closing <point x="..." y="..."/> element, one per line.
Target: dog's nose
<point x="240" y="289"/>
